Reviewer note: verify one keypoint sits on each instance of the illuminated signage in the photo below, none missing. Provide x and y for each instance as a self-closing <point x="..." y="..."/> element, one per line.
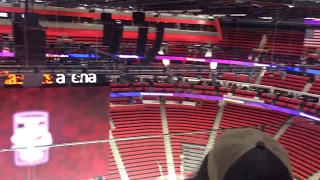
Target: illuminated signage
<point x="47" y="79"/>
<point x="77" y="78"/>
<point x="14" y="79"/>
<point x="57" y="56"/>
<point x="196" y="59"/>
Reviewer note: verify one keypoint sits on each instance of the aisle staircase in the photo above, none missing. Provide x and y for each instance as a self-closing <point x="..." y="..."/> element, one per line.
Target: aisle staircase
<point x="283" y="128"/>
<point x="117" y="157"/>
<point x="167" y="141"/>
<point x="215" y="126"/>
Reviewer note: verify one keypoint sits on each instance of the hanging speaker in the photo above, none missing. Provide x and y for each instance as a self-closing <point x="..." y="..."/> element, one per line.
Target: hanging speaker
<point x="108" y="28"/>
<point x="35" y="46"/>
<point x="105" y="17"/>
<point x="114" y="47"/>
<point x="32" y="19"/>
<point x="142" y="40"/>
<point x="108" y="33"/>
<point x="156" y="45"/>
<point x="138" y="17"/>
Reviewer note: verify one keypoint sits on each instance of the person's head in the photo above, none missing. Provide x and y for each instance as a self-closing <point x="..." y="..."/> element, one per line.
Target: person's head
<point x="245" y="154"/>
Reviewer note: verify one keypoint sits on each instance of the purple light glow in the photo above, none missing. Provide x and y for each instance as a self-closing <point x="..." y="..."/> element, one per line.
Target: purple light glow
<point x="6" y="54"/>
<point x="221" y="61"/>
<point x="312" y="22"/>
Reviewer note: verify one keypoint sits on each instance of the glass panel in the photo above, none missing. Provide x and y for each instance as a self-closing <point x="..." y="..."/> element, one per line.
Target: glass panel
<point x="74" y="162"/>
<point x="9" y="170"/>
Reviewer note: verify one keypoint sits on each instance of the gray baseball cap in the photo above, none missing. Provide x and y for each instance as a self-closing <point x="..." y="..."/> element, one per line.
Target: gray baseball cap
<point x="233" y="144"/>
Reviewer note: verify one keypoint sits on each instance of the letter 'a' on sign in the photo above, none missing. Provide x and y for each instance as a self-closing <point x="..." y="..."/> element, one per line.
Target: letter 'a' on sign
<point x="60" y="79"/>
<point x="92" y="78"/>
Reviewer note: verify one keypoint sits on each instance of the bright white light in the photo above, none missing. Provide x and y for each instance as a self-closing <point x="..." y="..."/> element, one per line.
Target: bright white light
<point x="193" y="80"/>
<point x="208" y="54"/>
<point x="310" y="117"/>
<point x="219" y="15"/>
<point x="233" y="100"/>
<point x="156" y="94"/>
<point x="161" y="52"/>
<point x="213" y="65"/>
<point x="261" y="65"/>
<point x="196" y="59"/>
<point x="266" y="18"/>
<point x="291" y="6"/>
<point x="238" y="15"/>
<point x="3" y="14"/>
<point x="166" y="62"/>
<point x="129" y="56"/>
<point x="31" y="129"/>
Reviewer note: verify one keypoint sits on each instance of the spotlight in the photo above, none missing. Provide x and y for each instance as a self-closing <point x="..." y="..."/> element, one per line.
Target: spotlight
<point x="208" y="53"/>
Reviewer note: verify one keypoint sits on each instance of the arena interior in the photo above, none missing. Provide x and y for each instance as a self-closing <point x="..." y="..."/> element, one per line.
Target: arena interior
<point x="181" y="73"/>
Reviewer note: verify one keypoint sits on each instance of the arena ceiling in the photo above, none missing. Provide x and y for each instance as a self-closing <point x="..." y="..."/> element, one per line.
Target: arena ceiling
<point x="283" y="8"/>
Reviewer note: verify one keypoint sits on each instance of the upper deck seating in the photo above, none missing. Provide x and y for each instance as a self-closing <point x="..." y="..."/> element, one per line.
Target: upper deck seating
<point x="292" y="82"/>
<point x="175" y="48"/>
<point x="185" y="118"/>
<point x="140" y="156"/>
<point x="302" y="142"/>
<point x="251" y="116"/>
<point x="279" y="42"/>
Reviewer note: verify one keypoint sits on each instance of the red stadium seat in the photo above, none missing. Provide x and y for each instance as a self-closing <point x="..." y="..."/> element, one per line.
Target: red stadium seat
<point x="183" y="118"/>
<point x="302" y="142"/>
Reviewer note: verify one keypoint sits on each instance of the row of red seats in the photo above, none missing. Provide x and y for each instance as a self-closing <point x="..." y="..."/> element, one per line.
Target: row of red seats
<point x="245" y="94"/>
<point x="188" y="118"/>
<point x="251" y="116"/>
<point x="279" y="42"/>
<point x="183" y="119"/>
<point x="315" y="88"/>
<point x="292" y="82"/>
<point x="289" y="82"/>
<point x="140" y="156"/>
<point x="239" y="78"/>
<point x="210" y="90"/>
<point x="302" y="141"/>
<point x="173" y="49"/>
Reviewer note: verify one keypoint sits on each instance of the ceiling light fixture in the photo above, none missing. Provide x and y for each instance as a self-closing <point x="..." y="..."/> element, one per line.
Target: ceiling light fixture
<point x="238" y="15"/>
<point x="266" y="18"/>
